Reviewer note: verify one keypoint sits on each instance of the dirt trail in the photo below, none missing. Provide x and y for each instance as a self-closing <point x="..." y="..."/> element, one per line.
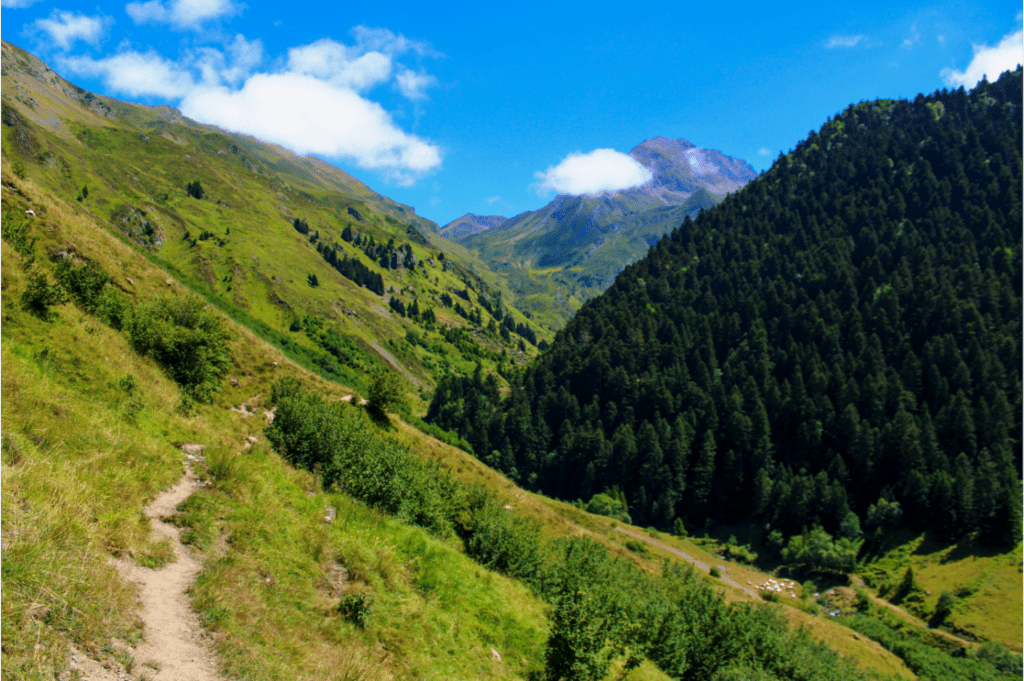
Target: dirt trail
<point x="689" y="559"/>
<point x="174" y="648"/>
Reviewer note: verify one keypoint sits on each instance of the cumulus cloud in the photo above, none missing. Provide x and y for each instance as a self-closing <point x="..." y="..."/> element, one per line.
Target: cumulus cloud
<point x="64" y="28"/>
<point x="843" y="41"/>
<point x="990" y="61"/>
<point x="309" y="115"/>
<point x="598" y="171"/>
<point x="180" y="13"/>
<point x="412" y="84"/>
<point x="314" y="102"/>
<point x="340" y="65"/>
<point x="229" y="66"/>
<point x="136" y="74"/>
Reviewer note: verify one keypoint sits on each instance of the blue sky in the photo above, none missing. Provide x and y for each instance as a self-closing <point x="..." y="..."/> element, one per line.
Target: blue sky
<point x="460" y="108"/>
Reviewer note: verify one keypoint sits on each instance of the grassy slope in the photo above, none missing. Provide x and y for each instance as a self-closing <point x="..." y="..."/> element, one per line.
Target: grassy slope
<point x="254" y="264"/>
<point x="80" y="462"/>
<point x="984" y="580"/>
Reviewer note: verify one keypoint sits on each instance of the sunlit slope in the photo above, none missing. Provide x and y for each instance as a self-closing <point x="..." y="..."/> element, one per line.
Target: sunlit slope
<point x="92" y="431"/>
<point x="256" y="239"/>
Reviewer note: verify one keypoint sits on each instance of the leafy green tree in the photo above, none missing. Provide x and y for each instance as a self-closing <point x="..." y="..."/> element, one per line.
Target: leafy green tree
<point x="385" y="392"/>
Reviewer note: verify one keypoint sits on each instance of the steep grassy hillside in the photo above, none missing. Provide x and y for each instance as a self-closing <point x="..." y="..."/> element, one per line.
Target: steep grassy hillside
<point x="92" y="430"/>
<point x="340" y="278"/>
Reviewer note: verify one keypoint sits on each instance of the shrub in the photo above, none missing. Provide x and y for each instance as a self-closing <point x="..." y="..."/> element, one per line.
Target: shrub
<point x="715" y="572"/>
<point x="195" y="190"/>
<point x="385" y="392"/>
<point x="84" y="282"/>
<point x="815" y="550"/>
<point x="500" y="540"/>
<point x="944" y="608"/>
<point x="607" y="505"/>
<point x="40" y="295"/>
<point x="186" y="338"/>
<point x="357" y="607"/>
<point x="333" y="441"/>
<point x="636" y="547"/>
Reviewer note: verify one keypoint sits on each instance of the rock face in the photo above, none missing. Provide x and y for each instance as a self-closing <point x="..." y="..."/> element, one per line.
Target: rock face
<point x="470" y="224"/>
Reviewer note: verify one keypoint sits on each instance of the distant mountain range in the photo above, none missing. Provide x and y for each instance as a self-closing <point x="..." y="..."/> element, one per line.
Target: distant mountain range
<point x="556" y="257"/>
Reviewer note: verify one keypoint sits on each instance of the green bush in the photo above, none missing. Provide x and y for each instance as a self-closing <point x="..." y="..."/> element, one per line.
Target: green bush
<point x="385" y="392"/>
<point x="500" y="540"/>
<point x="187" y="338"/>
<point x="815" y="550"/>
<point x="84" y="281"/>
<point x="944" y="608"/>
<point x="636" y="547"/>
<point x="357" y="607"/>
<point x="909" y="643"/>
<point x="607" y="505"/>
<point x="334" y="441"/>
<point x="40" y="295"/>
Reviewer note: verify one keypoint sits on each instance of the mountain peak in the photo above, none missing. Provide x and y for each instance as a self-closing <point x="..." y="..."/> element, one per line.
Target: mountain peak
<point x="680" y="168"/>
<point x="664" y="144"/>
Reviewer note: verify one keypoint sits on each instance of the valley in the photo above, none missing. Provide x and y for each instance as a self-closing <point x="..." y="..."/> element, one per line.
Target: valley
<point x="584" y="442"/>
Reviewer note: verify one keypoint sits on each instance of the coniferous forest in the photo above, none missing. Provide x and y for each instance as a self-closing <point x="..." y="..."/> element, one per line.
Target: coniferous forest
<point x="841" y="336"/>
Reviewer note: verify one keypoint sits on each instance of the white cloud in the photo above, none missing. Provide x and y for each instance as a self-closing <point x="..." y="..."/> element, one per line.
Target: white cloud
<point x="843" y="41"/>
<point x="384" y="41"/>
<point x="339" y="64"/>
<point x="64" y="28"/>
<point x="18" y="4"/>
<point x="136" y="74"/>
<point x="764" y="151"/>
<point x="412" y="84"/>
<point x="990" y="61"/>
<point x="600" y="170"/>
<point x="180" y="13"/>
<point x="309" y="115"/>
<point x="492" y="199"/>
<point x="312" y="103"/>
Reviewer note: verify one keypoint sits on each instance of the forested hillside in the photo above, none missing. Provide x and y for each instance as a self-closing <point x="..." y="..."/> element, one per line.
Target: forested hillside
<point x="843" y="335"/>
